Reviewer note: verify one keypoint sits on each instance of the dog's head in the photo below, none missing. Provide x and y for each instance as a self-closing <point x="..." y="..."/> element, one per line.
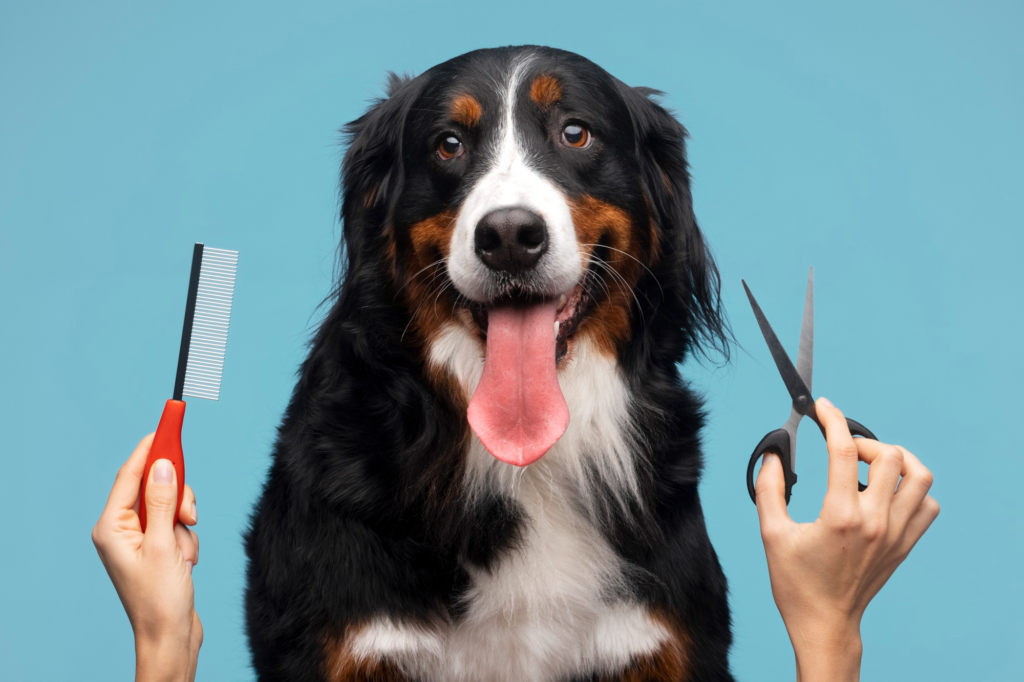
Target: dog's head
<point x="531" y="198"/>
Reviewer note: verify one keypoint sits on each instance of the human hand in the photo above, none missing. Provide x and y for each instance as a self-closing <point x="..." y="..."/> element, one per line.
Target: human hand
<point x="152" y="571"/>
<point x="825" y="573"/>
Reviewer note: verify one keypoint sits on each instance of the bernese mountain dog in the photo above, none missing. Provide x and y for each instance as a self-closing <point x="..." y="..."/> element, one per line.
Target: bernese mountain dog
<point x="488" y="469"/>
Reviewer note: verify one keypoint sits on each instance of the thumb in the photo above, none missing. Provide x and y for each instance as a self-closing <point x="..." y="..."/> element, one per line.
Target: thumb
<point x="161" y="500"/>
<point x="770" y="494"/>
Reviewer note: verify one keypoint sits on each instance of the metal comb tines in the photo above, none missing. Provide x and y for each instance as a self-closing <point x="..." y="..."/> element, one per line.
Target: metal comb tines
<point x="207" y="316"/>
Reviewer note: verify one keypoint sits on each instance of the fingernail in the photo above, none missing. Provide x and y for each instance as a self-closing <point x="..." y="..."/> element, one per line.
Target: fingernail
<point x="164" y="472"/>
<point x="825" y="401"/>
<point x="189" y="564"/>
<point x="195" y="515"/>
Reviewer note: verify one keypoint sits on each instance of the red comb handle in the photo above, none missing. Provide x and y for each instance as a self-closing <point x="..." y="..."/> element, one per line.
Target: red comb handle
<point x="166" y="445"/>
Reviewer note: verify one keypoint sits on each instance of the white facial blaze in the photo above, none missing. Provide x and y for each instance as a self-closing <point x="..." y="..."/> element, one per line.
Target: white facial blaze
<point x="512" y="182"/>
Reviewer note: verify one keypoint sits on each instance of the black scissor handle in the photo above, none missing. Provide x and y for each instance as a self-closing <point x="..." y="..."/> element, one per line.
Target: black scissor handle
<point x="778" y="442"/>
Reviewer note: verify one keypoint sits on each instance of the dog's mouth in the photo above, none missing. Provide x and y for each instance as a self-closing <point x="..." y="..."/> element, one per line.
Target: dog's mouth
<point x="570" y="310"/>
<point x="518" y="411"/>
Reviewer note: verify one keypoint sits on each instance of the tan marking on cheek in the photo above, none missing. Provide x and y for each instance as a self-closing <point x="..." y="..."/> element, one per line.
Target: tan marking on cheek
<point x="601" y="223"/>
<point x="609" y="326"/>
<point x="341" y="666"/>
<point x="598" y="221"/>
<point x="423" y="285"/>
<point x="432" y="236"/>
<point x="545" y="91"/>
<point x="466" y="111"/>
<point x="670" y="663"/>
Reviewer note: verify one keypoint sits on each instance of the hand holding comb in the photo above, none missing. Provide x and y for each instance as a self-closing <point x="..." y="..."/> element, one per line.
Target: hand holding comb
<point x="201" y="358"/>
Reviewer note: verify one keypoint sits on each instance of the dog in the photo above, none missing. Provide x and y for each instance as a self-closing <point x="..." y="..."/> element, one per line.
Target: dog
<point x="488" y="469"/>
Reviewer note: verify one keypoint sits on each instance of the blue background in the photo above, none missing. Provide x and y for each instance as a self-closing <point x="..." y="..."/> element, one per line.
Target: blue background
<point x="881" y="144"/>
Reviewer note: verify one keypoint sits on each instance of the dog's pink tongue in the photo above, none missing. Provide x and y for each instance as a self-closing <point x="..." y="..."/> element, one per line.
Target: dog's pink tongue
<point x="518" y="411"/>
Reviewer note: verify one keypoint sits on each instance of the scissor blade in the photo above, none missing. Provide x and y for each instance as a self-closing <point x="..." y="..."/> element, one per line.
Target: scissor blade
<point x="805" y="356"/>
<point x="790" y="427"/>
<point x="798" y="390"/>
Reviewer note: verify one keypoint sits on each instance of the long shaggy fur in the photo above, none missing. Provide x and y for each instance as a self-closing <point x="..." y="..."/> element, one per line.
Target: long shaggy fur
<point x="368" y="511"/>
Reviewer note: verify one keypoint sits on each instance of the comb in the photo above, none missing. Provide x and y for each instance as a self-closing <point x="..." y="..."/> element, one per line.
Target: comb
<point x="204" y="338"/>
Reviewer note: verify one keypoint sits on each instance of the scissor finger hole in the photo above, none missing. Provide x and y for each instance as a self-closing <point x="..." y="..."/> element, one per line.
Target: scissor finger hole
<point x="862" y="474"/>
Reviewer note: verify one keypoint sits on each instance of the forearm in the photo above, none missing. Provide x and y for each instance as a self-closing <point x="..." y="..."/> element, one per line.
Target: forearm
<point x="827" y="656"/>
<point x="164" y="661"/>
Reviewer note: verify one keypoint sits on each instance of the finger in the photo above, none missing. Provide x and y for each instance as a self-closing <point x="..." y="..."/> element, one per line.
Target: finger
<point x="842" y="453"/>
<point x="770" y="495"/>
<point x="125" y="491"/>
<point x="885" y="466"/>
<point x="916" y="482"/>
<point x="187" y="511"/>
<point x="919" y="522"/>
<point x="161" y="502"/>
<point x="188" y="543"/>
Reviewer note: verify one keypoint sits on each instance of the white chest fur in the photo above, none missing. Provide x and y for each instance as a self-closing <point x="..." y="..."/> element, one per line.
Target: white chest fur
<point x="546" y="609"/>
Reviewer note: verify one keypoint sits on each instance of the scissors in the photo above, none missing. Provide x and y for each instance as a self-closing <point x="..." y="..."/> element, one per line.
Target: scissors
<point x="798" y="382"/>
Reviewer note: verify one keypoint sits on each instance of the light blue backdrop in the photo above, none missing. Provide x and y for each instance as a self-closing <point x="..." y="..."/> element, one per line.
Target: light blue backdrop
<point x="881" y="143"/>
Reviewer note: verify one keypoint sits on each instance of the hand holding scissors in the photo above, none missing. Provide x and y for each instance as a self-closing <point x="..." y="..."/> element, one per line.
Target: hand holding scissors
<point x="798" y="382"/>
<point x="824" y="573"/>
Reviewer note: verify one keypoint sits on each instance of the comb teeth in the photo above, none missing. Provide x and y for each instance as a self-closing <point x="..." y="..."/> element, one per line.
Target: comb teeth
<point x="208" y="336"/>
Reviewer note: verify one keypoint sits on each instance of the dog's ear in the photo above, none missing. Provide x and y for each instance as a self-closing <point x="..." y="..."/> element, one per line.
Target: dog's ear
<point x="371" y="173"/>
<point x="685" y="259"/>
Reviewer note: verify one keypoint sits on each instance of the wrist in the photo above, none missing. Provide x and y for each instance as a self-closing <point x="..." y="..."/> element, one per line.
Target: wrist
<point x="827" y="653"/>
<point x="162" y="660"/>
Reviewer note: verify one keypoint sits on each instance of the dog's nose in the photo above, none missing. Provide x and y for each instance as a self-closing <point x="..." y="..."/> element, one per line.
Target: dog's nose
<point x="511" y="239"/>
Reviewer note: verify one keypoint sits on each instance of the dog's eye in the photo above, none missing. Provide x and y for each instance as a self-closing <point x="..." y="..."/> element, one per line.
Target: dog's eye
<point x="449" y="147"/>
<point x="576" y="135"/>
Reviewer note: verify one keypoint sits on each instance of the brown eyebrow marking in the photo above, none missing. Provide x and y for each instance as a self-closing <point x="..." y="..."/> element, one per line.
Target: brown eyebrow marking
<point x="545" y="91"/>
<point x="466" y="110"/>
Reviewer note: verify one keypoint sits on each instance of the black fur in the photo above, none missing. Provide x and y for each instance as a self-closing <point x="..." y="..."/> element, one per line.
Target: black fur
<point x="360" y="514"/>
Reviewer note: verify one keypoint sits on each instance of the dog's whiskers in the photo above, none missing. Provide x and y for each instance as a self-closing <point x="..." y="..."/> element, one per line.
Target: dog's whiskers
<point x="620" y="282"/>
<point x="435" y="264"/>
<point x="632" y="257"/>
